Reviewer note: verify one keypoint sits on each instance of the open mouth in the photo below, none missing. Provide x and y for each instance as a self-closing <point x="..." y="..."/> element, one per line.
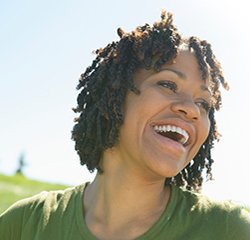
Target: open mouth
<point x="175" y="133"/>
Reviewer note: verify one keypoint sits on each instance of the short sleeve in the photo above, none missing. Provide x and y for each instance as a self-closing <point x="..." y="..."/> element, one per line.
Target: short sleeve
<point x="11" y="222"/>
<point x="239" y="224"/>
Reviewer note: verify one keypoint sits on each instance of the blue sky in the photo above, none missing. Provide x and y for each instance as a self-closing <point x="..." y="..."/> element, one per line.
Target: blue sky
<point x="45" y="45"/>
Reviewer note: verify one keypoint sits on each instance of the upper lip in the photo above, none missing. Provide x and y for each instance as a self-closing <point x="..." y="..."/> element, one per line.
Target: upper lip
<point x="189" y="128"/>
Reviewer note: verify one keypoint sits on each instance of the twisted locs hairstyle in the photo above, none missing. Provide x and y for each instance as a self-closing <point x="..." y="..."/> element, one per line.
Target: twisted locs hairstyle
<point x="105" y="83"/>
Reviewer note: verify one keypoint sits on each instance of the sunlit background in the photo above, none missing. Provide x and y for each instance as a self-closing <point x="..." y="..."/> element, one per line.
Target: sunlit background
<point x="45" y="45"/>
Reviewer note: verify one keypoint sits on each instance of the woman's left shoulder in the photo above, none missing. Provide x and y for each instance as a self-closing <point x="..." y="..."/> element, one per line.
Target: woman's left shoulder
<point x="234" y="217"/>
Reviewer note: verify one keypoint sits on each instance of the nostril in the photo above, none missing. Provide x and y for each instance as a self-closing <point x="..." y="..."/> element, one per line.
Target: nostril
<point x="187" y="109"/>
<point x="182" y="111"/>
<point x="189" y="114"/>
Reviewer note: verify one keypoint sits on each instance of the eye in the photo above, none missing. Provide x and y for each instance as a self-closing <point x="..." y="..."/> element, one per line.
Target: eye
<point x="203" y="104"/>
<point x="168" y="84"/>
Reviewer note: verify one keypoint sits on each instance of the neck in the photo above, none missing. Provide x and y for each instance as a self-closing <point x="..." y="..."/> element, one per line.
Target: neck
<point x="119" y="199"/>
<point x="113" y="195"/>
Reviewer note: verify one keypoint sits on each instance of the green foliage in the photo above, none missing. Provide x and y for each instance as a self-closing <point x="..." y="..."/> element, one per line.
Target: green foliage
<point x="13" y="188"/>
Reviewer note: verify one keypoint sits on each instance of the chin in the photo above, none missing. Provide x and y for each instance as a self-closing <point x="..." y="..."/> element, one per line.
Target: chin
<point x="172" y="174"/>
<point x="168" y="172"/>
<point x="170" y="169"/>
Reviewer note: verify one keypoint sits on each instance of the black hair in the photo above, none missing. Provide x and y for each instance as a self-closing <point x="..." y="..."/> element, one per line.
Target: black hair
<point x="104" y="86"/>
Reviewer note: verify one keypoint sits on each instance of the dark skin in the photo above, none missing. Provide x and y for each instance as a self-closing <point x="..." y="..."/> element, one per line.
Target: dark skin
<point x="142" y="159"/>
<point x="111" y="77"/>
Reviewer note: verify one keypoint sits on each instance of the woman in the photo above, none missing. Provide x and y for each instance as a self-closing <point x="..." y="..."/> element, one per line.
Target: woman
<point x="147" y="125"/>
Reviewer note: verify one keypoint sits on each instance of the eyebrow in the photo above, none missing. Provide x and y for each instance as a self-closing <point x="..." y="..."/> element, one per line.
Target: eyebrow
<point x="205" y="88"/>
<point x="178" y="73"/>
<point x="184" y="77"/>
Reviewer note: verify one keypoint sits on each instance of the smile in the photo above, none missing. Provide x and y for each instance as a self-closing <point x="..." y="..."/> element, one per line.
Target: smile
<point x="175" y="133"/>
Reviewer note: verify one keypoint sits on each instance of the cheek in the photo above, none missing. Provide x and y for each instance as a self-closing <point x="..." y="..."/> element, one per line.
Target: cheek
<point x="204" y="129"/>
<point x="143" y="105"/>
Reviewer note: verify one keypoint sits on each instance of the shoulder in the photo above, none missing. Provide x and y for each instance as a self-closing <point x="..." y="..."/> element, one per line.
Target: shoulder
<point x="31" y="209"/>
<point x="205" y="203"/>
<point x="44" y="198"/>
<point x="231" y="218"/>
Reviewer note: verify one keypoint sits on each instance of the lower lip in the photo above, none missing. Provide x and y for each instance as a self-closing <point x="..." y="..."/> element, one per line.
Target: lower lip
<point x="170" y="144"/>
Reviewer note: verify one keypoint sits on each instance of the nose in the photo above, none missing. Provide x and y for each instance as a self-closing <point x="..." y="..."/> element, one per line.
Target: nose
<point x="186" y="108"/>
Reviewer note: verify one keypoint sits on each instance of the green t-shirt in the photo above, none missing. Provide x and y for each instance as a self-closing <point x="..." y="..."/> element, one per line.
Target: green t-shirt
<point x="58" y="215"/>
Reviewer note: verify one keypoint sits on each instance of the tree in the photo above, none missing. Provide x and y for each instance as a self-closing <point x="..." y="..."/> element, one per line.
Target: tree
<point x="21" y="164"/>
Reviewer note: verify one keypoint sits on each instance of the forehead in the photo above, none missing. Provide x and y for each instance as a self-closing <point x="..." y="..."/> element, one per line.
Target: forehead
<point x="184" y="66"/>
<point x="186" y="61"/>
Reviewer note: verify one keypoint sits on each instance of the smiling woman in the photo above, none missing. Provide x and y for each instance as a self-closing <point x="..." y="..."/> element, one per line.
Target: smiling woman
<point x="174" y="107"/>
<point x="115" y="71"/>
<point x="146" y="123"/>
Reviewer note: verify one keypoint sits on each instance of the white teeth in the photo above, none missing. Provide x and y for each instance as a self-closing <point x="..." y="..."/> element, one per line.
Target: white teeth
<point x="171" y="128"/>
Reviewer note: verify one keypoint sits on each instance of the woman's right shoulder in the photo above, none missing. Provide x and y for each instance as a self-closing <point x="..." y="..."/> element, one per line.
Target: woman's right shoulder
<point x="36" y="202"/>
<point x="20" y="207"/>
<point x="13" y="219"/>
<point x="16" y="217"/>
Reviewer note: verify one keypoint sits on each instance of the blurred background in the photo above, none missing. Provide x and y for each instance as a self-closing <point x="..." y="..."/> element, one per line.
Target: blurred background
<point x="45" y="46"/>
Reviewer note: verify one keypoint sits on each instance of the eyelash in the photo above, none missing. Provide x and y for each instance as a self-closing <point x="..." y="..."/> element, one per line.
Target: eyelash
<point x="173" y="87"/>
<point x="204" y="104"/>
<point x="168" y="84"/>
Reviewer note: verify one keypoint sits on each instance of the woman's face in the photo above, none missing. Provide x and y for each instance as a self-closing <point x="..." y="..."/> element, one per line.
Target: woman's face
<point x="166" y="124"/>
